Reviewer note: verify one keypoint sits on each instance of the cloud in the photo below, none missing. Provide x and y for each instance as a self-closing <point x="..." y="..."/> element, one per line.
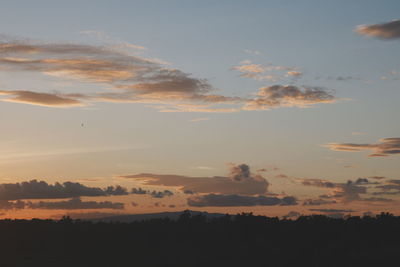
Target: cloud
<point x="249" y="68"/>
<point x="11" y="205"/>
<point x="268" y="72"/>
<point x="390" y="187"/>
<point x="75" y="203"/>
<point x="131" y="78"/>
<point x="219" y="200"/>
<point x="240" y="181"/>
<point x="378" y="177"/>
<point x="154" y="194"/>
<point x="318" y="202"/>
<point x="339" y="192"/>
<point x="288" y="96"/>
<point x="41" y="190"/>
<point x="161" y="194"/>
<point x="139" y="191"/>
<point x="41" y="99"/>
<point x="317" y="183"/>
<point x="389" y="30"/>
<point x="386" y="147"/>
<point x="294" y="73"/>
<point x="332" y="210"/>
<point x="292" y="214"/>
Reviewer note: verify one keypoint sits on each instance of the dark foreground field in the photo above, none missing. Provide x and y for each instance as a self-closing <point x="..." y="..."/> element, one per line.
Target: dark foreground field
<point x="242" y="240"/>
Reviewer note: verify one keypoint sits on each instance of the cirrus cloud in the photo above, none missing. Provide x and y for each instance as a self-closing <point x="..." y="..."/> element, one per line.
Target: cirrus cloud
<point x="386" y="147"/>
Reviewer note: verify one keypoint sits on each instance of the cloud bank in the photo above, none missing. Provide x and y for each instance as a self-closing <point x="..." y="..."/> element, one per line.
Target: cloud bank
<point x="215" y="200"/>
<point x="42" y="190"/>
<point x="240" y="181"/>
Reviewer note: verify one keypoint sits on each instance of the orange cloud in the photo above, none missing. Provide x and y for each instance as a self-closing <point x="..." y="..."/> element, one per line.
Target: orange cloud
<point x="41" y="99"/>
<point x="387" y="147"/>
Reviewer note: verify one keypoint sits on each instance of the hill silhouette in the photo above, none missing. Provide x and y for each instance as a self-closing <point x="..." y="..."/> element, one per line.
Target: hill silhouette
<point x="127" y="218"/>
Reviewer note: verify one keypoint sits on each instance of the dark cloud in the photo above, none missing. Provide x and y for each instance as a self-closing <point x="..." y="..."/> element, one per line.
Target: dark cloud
<point x="332" y="210"/>
<point x="317" y="183"/>
<point x="317" y="202"/>
<point x="389" y="187"/>
<point x="116" y="190"/>
<point x="240" y="181"/>
<point x="139" y="191"/>
<point x="217" y="200"/>
<point x="240" y="172"/>
<point x="161" y="194"/>
<point x="340" y="192"/>
<point x="288" y="96"/>
<point x="377" y="199"/>
<point x="75" y="203"/>
<point x="42" y="190"/>
<point x="387" y="147"/>
<point x="388" y="30"/>
<point x="154" y="193"/>
<point x="11" y="205"/>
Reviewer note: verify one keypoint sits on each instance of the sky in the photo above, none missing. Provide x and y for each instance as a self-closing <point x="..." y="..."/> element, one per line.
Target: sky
<point x="279" y="108"/>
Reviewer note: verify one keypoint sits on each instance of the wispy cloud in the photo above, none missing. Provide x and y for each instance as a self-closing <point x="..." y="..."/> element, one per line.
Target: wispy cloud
<point x="386" y="147"/>
<point x="199" y="119"/>
<point x="134" y="79"/>
<point x="288" y="96"/>
<point x="252" y="52"/>
<point x="387" y="30"/>
<point x="270" y="72"/>
<point x="131" y="78"/>
<point x="42" y="99"/>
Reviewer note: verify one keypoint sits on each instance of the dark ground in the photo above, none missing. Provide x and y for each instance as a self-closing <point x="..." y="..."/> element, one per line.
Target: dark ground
<point x="241" y="240"/>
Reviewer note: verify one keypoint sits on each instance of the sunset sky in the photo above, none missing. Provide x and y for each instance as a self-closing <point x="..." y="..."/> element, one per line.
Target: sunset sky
<point x="279" y="108"/>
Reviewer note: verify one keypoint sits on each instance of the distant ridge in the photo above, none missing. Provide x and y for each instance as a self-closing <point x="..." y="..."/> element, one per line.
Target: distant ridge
<point x="126" y="218"/>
